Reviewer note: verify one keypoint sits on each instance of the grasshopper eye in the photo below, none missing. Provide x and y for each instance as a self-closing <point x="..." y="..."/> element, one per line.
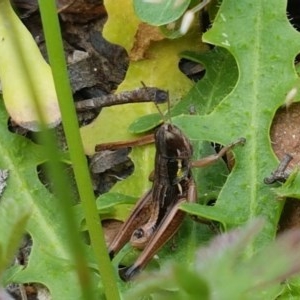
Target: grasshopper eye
<point x="139" y="239"/>
<point x="138" y="233"/>
<point x="141" y="236"/>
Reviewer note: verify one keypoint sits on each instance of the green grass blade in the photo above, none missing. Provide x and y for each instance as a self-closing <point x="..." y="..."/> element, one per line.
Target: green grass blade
<point x="57" y="61"/>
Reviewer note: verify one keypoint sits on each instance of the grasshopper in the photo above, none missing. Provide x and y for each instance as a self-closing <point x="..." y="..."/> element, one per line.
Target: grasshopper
<point x="156" y="217"/>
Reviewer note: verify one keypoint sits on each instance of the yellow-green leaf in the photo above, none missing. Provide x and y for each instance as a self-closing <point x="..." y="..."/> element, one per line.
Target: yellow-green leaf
<point x="26" y="78"/>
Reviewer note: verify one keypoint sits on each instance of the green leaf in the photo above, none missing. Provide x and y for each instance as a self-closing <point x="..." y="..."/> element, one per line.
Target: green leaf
<point x="219" y="80"/>
<point x="160" y="12"/>
<point x="106" y="205"/>
<point x="13" y="219"/>
<point x="292" y="289"/>
<point x="248" y="110"/>
<point x="291" y="188"/>
<point x="191" y="284"/>
<point x="145" y="123"/>
<point x="50" y="262"/>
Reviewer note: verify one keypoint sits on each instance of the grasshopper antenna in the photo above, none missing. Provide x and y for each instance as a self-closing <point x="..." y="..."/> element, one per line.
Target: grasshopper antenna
<point x="163" y="116"/>
<point x="169" y="109"/>
<point x="159" y="101"/>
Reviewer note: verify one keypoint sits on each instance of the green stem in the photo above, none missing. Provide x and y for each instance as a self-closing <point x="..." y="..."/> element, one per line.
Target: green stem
<point x="71" y="128"/>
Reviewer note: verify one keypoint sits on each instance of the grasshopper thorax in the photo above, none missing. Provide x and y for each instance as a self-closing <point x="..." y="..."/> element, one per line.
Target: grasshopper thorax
<point x="173" y="153"/>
